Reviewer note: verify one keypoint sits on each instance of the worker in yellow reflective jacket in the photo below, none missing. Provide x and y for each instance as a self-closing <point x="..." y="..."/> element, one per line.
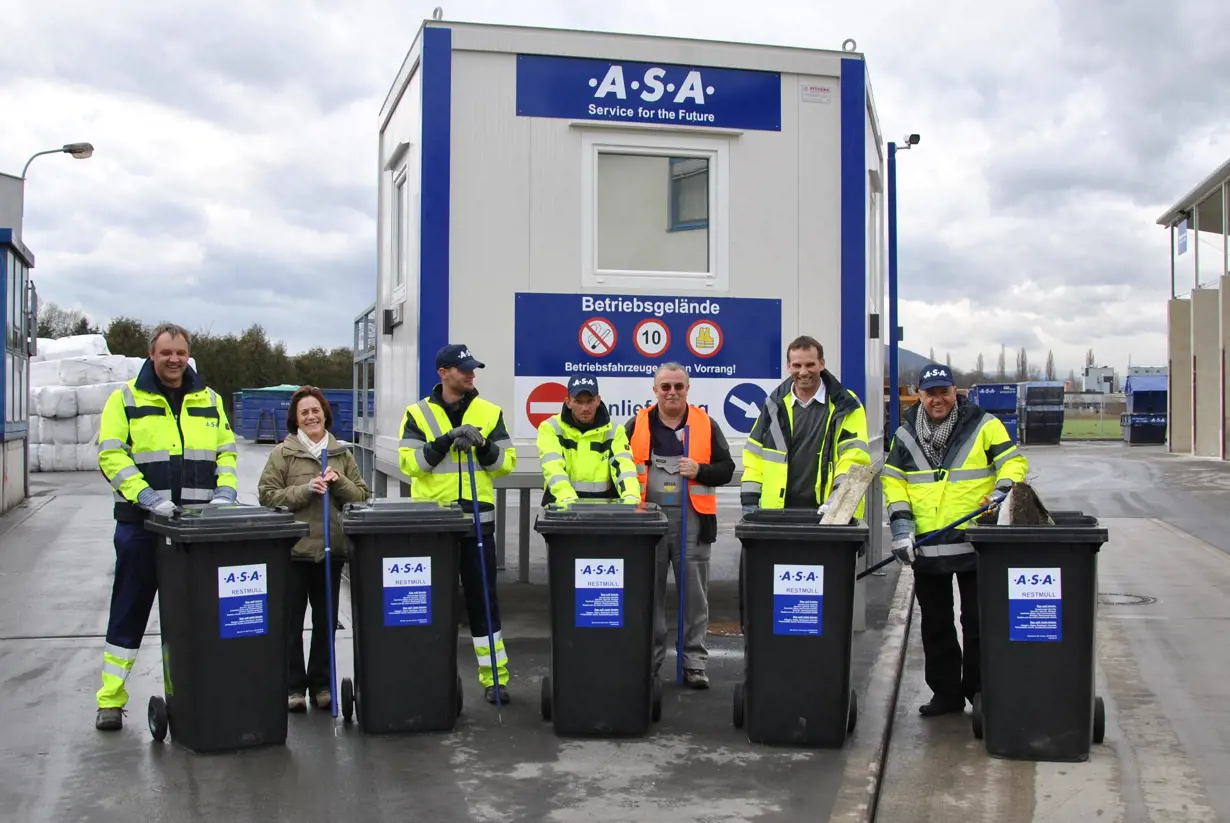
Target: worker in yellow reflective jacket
<point x="437" y="432"/>
<point x="947" y="460"/>
<point x="583" y="454"/>
<point x="811" y="431"/>
<point x="163" y="441"/>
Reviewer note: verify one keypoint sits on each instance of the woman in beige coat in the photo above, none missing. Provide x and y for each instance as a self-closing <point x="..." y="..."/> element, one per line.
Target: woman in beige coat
<point x="292" y="478"/>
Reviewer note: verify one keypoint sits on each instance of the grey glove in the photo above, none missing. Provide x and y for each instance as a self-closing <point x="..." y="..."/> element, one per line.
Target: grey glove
<point x="466" y="437"/>
<point x="749" y="509"/>
<point x="166" y="508"/>
<point x="904" y="551"/>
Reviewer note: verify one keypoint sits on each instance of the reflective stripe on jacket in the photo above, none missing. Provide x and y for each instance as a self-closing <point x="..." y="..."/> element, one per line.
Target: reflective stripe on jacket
<point x="443" y="475"/>
<point x="700" y="439"/>
<point x="980" y="457"/>
<point x="143" y="445"/>
<point x="766" y="452"/>
<point x="591" y="463"/>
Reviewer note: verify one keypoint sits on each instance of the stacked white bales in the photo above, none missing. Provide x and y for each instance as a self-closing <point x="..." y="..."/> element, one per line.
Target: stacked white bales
<point x="71" y="379"/>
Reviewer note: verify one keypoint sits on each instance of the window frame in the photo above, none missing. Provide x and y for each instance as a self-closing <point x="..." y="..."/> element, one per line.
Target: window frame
<point x="397" y="236"/>
<point x="714" y="148"/>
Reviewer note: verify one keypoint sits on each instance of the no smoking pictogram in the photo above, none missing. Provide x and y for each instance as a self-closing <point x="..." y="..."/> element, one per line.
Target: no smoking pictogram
<point x="651" y="337"/>
<point x="544" y="400"/>
<point x="597" y="337"/>
<point x="704" y="338"/>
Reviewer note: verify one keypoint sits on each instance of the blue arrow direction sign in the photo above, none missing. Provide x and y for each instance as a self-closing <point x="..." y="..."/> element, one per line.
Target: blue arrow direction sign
<point x="742" y="406"/>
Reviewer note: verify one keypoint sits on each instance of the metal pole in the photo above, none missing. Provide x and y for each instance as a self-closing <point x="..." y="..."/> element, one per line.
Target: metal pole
<point x="894" y="387"/>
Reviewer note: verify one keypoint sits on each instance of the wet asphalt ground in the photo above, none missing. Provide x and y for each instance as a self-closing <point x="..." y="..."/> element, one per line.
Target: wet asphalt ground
<point x="1163" y="660"/>
<point x="56" y="561"/>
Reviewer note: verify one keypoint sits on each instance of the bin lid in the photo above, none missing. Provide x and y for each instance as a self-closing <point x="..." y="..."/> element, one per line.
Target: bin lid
<point x="401" y="515"/>
<point x="797" y="524"/>
<point x="1073" y="528"/>
<point x="601" y="517"/>
<point x="209" y="524"/>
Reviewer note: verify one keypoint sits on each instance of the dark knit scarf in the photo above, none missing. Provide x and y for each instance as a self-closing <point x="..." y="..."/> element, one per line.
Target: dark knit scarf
<point x="933" y="437"/>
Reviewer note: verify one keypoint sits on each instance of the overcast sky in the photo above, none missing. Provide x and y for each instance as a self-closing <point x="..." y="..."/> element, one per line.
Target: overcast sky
<point x="234" y="179"/>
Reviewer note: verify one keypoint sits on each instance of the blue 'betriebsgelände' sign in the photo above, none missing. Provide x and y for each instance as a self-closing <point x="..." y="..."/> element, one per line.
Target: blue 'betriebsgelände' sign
<point x="586" y="89"/>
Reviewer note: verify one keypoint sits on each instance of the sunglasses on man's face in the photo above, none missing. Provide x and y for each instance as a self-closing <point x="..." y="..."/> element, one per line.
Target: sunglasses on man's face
<point x="669" y="386"/>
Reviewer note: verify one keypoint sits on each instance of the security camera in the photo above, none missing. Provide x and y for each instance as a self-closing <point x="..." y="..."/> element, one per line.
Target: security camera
<point x="913" y="139"/>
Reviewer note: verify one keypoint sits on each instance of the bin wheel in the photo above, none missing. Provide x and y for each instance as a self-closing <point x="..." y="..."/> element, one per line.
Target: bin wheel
<point x="158" y="718"/>
<point x="852" y="716"/>
<point x="976" y="716"/>
<point x="656" y="711"/>
<point x="460" y="696"/>
<point x="739" y="706"/>
<point x="546" y="698"/>
<point x="347" y="699"/>
<point x="1099" y="720"/>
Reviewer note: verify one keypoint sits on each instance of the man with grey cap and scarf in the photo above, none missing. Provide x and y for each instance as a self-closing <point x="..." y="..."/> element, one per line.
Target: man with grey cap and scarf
<point x="948" y="459"/>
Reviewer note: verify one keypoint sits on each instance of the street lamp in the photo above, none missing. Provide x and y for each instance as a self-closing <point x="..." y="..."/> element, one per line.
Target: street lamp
<point x="78" y="150"/>
<point x="894" y="401"/>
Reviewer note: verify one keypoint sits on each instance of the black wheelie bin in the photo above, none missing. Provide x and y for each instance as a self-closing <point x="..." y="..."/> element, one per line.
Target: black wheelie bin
<point x="1037" y="604"/>
<point x="221" y="603"/>
<point x="404" y="566"/>
<point x="798" y="581"/>
<point x="601" y="562"/>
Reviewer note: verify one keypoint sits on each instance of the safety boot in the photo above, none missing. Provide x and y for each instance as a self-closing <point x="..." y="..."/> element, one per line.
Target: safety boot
<point x="109" y="720"/>
<point x="504" y="698"/>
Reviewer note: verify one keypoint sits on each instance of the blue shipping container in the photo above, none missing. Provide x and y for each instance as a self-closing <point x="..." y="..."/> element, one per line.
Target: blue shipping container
<point x="261" y="413"/>
<point x="1011" y="423"/>
<point x="995" y="397"/>
<point x="1147" y="393"/>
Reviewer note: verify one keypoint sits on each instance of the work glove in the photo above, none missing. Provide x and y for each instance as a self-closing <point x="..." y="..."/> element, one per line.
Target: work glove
<point x="633" y="500"/>
<point x="749" y="509"/>
<point x="996" y="497"/>
<point x="820" y="511"/>
<point x="166" y="508"/>
<point x="904" y="551"/>
<point x="466" y="437"/>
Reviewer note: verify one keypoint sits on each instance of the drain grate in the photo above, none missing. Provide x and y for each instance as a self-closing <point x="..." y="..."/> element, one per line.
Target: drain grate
<point x="725" y="628"/>
<point x="1117" y="599"/>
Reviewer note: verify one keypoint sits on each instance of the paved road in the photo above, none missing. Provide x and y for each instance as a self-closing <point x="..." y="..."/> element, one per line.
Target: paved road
<point x="55" y="576"/>
<point x="1164" y="667"/>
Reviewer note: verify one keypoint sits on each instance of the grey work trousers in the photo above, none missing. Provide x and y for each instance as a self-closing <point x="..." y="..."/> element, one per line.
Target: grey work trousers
<point x="696" y="604"/>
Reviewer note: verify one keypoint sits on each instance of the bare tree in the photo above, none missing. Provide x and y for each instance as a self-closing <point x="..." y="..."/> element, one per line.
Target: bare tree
<point x="1050" y="365"/>
<point x="931" y="354"/>
<point x="1089" y="361"/>
<point x="1002" y="366"/>
<point x="1072" y="379"/>
<point x="980" y="366"/>
<point x="1022" y="365"/>
<point x="948" y="360"/>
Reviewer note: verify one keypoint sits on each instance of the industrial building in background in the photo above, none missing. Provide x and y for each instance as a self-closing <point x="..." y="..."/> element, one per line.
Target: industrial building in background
<point x="20" y="330"/>
<point x="1199" y="316"/>
<point x="571" y="201"/>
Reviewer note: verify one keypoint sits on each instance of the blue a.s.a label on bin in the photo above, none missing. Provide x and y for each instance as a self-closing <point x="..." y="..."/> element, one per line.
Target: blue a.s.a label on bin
<point x="407" y="591"/>
<point x="798" y="599"/>
<point x="1035" y="605"/>
<point x="243" y="601"/>
<point x="599" y="586"/>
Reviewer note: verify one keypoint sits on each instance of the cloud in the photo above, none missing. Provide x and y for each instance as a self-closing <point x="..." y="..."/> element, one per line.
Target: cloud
<point x="234" y="179"/>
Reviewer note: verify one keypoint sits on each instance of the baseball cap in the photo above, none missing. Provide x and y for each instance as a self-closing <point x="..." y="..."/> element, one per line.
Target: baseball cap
<point x="582" y="383"/>
<point x="457" y="355"/>
<point x="934" y="376"/>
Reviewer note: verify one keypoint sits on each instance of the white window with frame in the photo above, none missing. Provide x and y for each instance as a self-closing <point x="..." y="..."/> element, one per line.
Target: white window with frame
<point x="654" y="210"/>
<point x="400" y="229"/>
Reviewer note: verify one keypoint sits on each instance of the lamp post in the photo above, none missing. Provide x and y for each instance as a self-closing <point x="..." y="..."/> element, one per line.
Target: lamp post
<point x="79" y="151"/>
<point x="894" y="401"/>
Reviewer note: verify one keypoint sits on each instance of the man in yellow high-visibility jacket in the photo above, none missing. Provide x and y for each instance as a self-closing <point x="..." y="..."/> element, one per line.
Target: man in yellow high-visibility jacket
<point x="811" y="431"/>
<point x="583" y="454"/>
<point x="163" y="441"/>
<point x="947" y="460"/>
<point x="437" y="432"/>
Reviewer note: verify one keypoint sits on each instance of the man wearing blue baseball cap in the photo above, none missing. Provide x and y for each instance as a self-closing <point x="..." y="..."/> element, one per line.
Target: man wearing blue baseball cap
<point x="437" y="433"/>
<point x="583" y="454"/>
<point x="948" y="459"/>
